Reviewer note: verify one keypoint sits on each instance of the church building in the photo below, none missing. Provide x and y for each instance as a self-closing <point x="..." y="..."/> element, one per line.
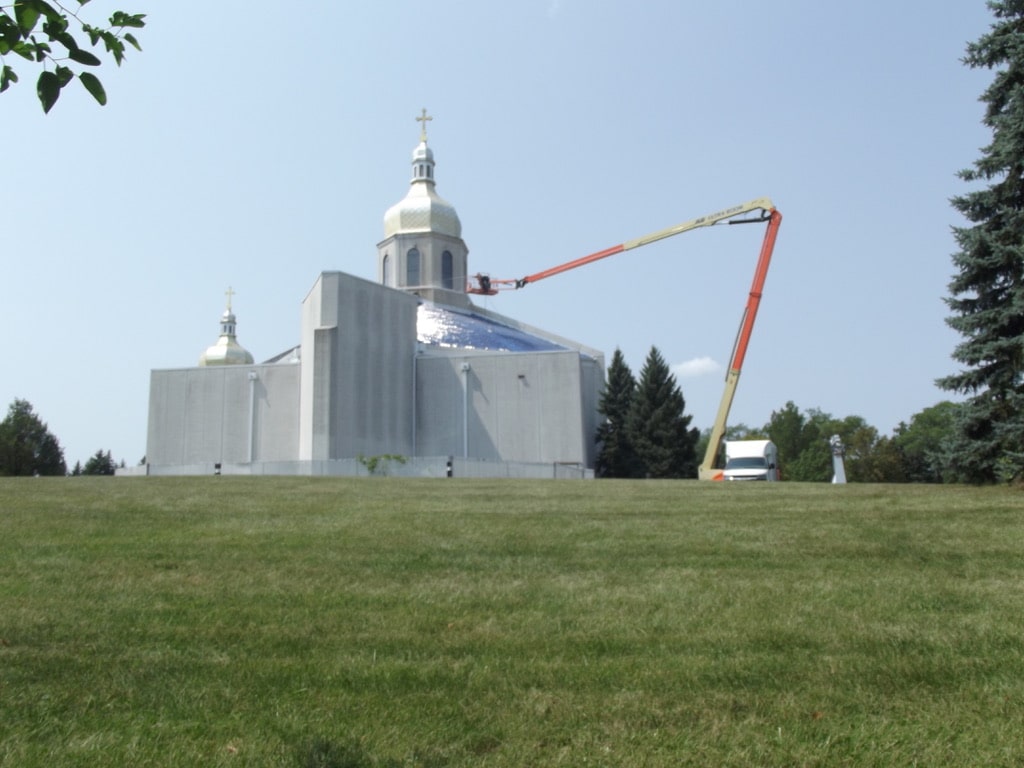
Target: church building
<point x="404" y="375"/>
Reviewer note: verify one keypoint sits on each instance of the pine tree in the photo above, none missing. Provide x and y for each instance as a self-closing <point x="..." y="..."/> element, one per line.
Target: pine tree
<point x="659" y="432"/>
<point x="616" y="457"/>
<point x="786" y="430"/>
<point x="987" y="291"/>
<point x="925" y="443"/>
<point x="26" y="445"/>
<point x="100" y="463"/>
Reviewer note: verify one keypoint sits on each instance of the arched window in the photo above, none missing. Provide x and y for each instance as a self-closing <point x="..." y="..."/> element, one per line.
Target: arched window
<point x="386" y="270"/>
<point x="447" y="278"/>
<point x="412" y="267"/>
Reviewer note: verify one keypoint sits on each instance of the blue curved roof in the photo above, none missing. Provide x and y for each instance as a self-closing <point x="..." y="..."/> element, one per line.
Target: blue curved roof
<point x="445" y="327"/>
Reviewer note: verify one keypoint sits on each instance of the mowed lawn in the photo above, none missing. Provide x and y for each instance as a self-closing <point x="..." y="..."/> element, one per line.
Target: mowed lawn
<point x="229" y="621"/>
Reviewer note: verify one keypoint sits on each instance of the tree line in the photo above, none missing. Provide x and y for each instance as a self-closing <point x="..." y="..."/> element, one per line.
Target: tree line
<point x="917" y="452"/>
<point x="27" y="448"/>
<point x="645" y="433"/>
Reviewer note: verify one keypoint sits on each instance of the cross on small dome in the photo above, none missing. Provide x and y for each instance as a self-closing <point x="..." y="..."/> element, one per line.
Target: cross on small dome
<point x="422" y="120"/>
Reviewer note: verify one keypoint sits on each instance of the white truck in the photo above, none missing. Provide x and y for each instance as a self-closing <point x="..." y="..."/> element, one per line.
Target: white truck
<point x="751" y="460"/>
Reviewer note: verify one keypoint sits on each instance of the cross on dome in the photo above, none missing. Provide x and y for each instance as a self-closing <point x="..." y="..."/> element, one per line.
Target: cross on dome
<point x="422" y="120"/>
<point x="229" y="293"/>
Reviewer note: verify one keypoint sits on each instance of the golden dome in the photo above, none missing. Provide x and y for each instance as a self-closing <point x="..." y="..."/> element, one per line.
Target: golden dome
<point x="422" y="209"/>
<point x="226" y="350"/>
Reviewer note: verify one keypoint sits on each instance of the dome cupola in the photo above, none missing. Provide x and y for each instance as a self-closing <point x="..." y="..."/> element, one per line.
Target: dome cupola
<point x="226" y="350"/>
<point x="422" y="209"/>
<point x="423" y="251"/>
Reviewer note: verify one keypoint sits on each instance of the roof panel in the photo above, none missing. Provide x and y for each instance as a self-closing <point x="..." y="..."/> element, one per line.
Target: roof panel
<point x="445" y="327"/>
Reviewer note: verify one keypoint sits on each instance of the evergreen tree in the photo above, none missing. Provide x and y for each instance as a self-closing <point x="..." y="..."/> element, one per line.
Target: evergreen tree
<point x="987" y="290"/>
<point x="100" y="463"/>
<point x="616" y="457"/>
<point x="26" y="445"/>
<point x="814" y="462"/>
<point x="658" y="431"/>
<point x="925" y="443"/>
<point x="786" y="430"/>
<point x="886" y="463"/>
<point x="861" y="441"/>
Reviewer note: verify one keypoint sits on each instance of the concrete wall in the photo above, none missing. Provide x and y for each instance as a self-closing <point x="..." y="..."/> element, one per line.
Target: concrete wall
<point x="592" y="378"/>
<point x="219" y="414"/>
<point x="358" y="347"/>
<point x="507" y="407"/>
<point x="430" y="466"/>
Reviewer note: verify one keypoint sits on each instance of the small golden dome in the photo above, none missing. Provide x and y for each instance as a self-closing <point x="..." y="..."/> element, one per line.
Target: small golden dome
<point x="226" y="350"/>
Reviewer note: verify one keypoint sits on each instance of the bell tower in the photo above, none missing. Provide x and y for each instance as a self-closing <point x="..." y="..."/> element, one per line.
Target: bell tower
<point x="423" y="251"/>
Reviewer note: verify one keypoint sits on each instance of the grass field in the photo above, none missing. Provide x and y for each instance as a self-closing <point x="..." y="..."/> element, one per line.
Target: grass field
<point x="379" y="622"/>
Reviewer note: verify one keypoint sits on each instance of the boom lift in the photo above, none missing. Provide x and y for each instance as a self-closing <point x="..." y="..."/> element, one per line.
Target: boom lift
<point x="735" y="215"/>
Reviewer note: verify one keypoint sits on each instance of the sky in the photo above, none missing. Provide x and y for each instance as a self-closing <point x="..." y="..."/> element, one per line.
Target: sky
<point x="254" y="148"/>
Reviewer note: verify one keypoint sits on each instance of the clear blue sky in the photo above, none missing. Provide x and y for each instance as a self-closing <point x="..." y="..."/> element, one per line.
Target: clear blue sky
<point x="254" y="148"/>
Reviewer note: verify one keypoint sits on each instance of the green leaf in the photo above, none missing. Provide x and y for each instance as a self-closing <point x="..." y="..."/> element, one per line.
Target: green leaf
<point x="84" y="57"/>
<point x="65" y="39"/>
<point x="7" y="76"/>
<point x="9" y="31"/>
<point x="94" y="86"/>
<point x="25" y="50"/>
<point x="48" y="90"/>
<point x="111" y="41"/>
<point x="54" y="26"/>
<point x="64" y="76"/>
<point x="52" y="14"/>
<point x="122" y="19"/>
<point x="114" y="46"/>
<point x="92" y="32"/>
<point x="41" y="50"/>
<point x="131" y="39"/>
<point x="26" y="13"/>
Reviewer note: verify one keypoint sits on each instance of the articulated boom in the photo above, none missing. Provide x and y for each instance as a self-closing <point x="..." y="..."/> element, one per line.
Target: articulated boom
<point x="487" y="286"/>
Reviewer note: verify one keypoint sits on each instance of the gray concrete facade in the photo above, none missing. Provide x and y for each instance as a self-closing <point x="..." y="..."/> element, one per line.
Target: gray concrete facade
<point x="365" y="386"/>
<point x="358" y="345"/>
<point x="224" y="414"/>
<point x="504" y="407"/>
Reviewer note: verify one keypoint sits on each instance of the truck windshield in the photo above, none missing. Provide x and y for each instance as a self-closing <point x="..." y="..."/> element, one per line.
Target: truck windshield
<point x="746" y="462"/>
